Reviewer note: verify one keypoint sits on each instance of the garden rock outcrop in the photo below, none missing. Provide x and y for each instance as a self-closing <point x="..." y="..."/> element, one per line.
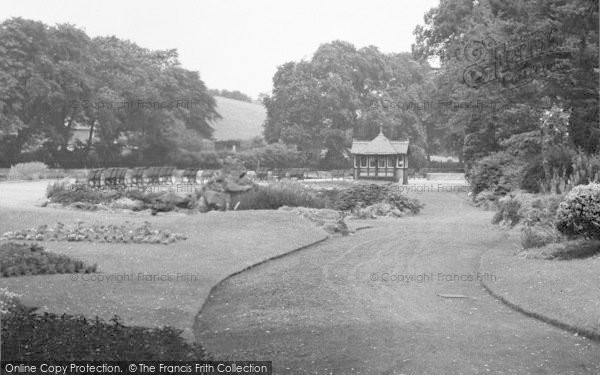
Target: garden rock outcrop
<point x="219" y="191"/>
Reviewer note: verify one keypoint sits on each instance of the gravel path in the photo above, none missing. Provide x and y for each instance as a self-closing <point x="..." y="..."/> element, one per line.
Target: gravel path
<point x="381" y="302"/>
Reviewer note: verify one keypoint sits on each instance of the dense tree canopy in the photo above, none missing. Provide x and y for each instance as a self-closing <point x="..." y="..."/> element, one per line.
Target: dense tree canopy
<point x="518" y="86"/>
<point x="341" y="93"/>
<point x="137" y="101"/>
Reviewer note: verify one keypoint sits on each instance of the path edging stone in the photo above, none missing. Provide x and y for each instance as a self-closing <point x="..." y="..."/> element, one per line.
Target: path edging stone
<point x="275" y="257"/>
<point x="595" y="336"/>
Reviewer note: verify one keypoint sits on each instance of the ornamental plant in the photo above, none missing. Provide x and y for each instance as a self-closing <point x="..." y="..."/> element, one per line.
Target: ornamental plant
<point x="579" y="213"/>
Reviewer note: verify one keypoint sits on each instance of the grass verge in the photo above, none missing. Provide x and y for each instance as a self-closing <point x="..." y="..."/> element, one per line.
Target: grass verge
<point x="564" y="293"/>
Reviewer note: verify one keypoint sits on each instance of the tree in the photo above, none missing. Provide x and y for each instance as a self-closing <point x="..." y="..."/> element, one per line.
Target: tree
<point x="465" y="33"/>
<point x="132" y="98"/>
<point x="321" y="104"/>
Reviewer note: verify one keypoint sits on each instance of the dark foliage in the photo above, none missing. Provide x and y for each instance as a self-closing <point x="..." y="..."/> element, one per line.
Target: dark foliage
<point x="27" y="336"/>
<point x="280" y="194"/>
<point x="31" y="259"/>
<point x="576" y="250"/>
<point x="366" y="195"/>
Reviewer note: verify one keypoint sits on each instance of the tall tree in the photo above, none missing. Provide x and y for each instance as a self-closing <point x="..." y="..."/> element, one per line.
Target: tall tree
<point x="343" y="93"/>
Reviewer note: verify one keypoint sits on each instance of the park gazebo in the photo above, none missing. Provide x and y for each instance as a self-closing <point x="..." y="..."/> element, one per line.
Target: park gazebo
<point x="380" y="159"/>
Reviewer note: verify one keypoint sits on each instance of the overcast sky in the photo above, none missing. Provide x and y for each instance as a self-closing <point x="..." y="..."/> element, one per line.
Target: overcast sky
<point x="236" y="44"/>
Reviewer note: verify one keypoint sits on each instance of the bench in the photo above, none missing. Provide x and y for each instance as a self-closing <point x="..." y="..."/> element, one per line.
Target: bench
<point x="165" y="175"/>
<point x="94" y="178"/>
<point x="296" y="173"/>
<point x="189" y="175"/>
<point x="278" y="174"/>
<point x="206" y="175"/>
<point x="137" y="176"/>
<point x="115" y="176"/>
<point x="262" y="174"/>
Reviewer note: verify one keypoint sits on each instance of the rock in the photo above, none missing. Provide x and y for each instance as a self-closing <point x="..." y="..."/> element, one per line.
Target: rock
<point x="378" y="210"/>
<point x="216" y="200"/>
<point x="127" y="204"/>
<point x="331" y="221"/>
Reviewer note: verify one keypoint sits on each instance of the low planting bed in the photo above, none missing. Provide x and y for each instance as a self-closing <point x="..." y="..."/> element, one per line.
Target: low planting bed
<point x="555" y="273"/>
<point x="125" y="233"/>
<point x="31" y="259"/>
<point x="359" y="197"/>
<point x="226" y="192"/>
<point x="28" y="336"/>
<point x="82" y="196"/>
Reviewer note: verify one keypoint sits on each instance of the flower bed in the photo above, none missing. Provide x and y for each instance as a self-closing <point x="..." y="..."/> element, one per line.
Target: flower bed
<point x="126" y="233"/>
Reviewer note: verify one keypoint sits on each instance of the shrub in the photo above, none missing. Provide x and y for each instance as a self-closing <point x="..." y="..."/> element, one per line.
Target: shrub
<point x="527" y="208"/>
<point x="586" y="168"/>
<point x="368" y="195"/>
<point x="27" y="336"/>
<point x="533" y="176"/>
<point x="486" y="200"/>
<point x="28" y="171"/>
<point x="538" y="236"/>
<point x="574" y="249"/>
<point x="508" y="211"/>
<point x="31" y="259"/>
<point x="494" y="173"/>
<point x="279" y="194"/>
<point x="65" y="193"/>
<point x="540" y="209"/>
<point x="579" y="214"/>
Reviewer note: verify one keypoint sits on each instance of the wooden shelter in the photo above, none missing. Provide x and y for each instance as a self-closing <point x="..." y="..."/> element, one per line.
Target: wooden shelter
<point x="380" y="159"/>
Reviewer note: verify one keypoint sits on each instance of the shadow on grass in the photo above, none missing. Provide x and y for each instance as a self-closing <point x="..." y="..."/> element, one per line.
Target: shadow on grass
<point x="576" y="250"/>
<point x="569" y="250"/>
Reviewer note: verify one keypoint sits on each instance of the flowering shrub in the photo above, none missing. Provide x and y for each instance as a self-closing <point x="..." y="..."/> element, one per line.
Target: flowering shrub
<point x="8" y="301"/>
<point x="579" y="214"/>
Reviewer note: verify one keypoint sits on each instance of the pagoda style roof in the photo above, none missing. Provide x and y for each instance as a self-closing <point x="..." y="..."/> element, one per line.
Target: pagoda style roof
<point x="380" y="145"/>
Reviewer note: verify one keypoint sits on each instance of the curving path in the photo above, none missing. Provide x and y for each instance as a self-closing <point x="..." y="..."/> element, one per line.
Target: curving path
<point x="334" y="309"/>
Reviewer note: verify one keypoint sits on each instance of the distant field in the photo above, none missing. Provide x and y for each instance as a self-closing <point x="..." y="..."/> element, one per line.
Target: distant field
<point x="241" y="120"/>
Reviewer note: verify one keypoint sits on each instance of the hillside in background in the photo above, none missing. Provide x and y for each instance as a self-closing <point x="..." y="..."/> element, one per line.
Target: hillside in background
<point x="241" y="120"/>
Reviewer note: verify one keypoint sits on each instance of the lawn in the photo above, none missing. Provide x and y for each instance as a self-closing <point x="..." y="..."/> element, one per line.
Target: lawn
<point x="241" y="120"/>
<point x="567" y="291"/>
<point x="152" y="284"/>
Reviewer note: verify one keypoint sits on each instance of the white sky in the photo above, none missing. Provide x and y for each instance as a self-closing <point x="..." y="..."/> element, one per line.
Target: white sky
<point x="236" y="44"/>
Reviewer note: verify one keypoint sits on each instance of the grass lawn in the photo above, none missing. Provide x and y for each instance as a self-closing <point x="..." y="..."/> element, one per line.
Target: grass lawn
<point x="241" y="120"/>
<point x="153" y="285"/>
<point x="564" y="290"/>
